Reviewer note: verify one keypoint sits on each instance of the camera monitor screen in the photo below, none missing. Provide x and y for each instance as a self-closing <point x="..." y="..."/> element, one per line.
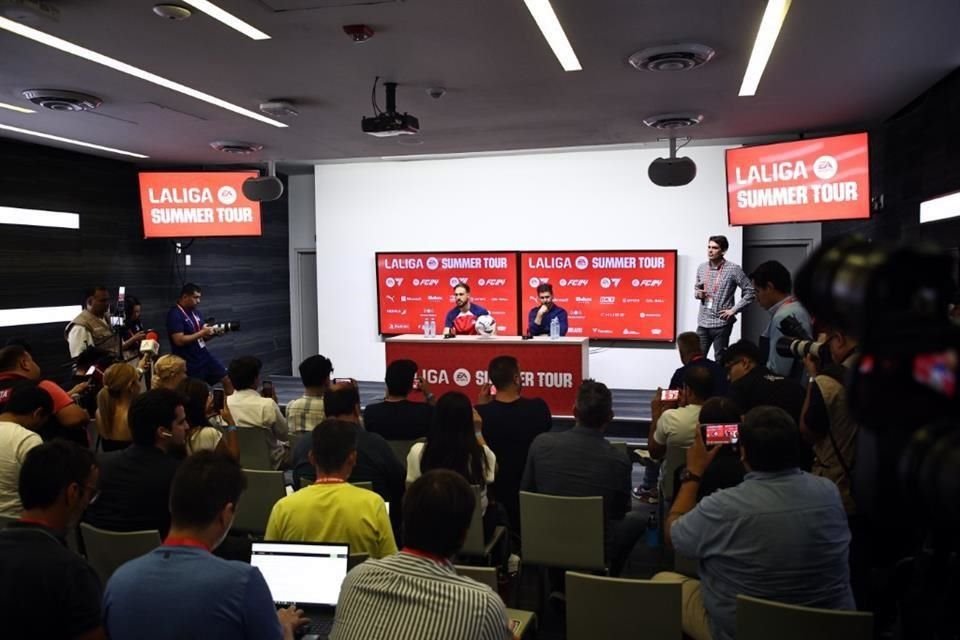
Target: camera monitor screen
<point x="415" y="287"/>
<point x="722" y="434"/>
<point x="197" y="205"/>
<point x="803" y="181"/>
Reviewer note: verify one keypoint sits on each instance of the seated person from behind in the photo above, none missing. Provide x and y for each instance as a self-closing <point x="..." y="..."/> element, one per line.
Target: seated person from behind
<point x="135" y="482"/>
<point x="397" y="417"/>
<point x="726" y="470"/>
<point x="28" y="407"/>
<point x="331" y="509"/>
<point x="691" y="355"/>
<point x="47" y="590"/>
<point x="417" y="592"/>
<point x="753" y="385"/>
<point x="539" y="318"/>
<point x="780" y="535"/>
<point x="306" y="412"/>
<point x="121" y="384"/>
<point x="676" y="427"/>
<point x="251" y="410"/>
<point x="202" y="435"/>
<point x="215" y="598"/>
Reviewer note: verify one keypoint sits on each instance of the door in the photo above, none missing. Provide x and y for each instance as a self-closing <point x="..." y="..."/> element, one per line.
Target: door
<point x="790" y="255"/>
<point x="309" y="340"/>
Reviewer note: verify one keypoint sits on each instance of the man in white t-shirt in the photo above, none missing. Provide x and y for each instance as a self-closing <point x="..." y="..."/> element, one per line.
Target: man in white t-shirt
<point x="27" y="409"/>
<point x="676" y="428"/>
<point x="251" y="410"/>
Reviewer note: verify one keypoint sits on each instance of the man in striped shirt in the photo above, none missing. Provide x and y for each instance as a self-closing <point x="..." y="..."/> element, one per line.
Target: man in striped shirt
<point x="717" y="280"/>
<point x="307" y="411"/>
<point x="416" y="594"/>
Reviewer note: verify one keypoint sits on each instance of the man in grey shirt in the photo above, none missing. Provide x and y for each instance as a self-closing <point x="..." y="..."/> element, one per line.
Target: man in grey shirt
<point x="580" y="462"/>
<point x="781" y="534"/>
<point x="717" y="281"/>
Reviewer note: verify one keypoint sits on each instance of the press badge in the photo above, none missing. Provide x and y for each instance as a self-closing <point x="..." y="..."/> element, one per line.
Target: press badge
<point x="709" y="303"/>
<point x="203" y="345"/>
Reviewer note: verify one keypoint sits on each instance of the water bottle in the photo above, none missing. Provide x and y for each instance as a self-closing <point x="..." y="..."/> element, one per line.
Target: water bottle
<point x="426" y="328"/>
<point x="653" y="531"/>
<point x="554" y="329"/>
<point x="431" y="327"/>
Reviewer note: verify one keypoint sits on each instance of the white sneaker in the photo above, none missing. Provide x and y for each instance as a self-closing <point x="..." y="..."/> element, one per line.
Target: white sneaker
<point x="513" y="564"/>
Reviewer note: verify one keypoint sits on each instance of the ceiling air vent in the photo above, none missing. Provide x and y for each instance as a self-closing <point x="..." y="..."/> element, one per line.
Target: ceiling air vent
<point x="672" y="57"/>
<point x="671" y="121"/>
<point x="237" y="148"/>
<point x="57" y="100"/>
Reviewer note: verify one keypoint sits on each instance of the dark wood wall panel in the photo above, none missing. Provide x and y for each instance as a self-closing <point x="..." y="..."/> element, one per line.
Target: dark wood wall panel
<point x="245" y="280"/>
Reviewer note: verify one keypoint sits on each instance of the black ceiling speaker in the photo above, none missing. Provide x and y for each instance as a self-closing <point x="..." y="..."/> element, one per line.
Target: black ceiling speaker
<point x="672" y="171"/>
<point x="264" y="188"/>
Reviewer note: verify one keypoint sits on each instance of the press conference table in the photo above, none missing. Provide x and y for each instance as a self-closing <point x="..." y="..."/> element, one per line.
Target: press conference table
<point x="549" y="369"/>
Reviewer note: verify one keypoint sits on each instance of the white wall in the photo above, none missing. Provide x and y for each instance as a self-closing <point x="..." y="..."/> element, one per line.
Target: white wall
<point x="302" y="226"/>
<point x="565" y="200"/>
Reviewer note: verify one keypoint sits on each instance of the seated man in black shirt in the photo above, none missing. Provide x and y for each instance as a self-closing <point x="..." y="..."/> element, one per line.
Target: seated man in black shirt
<point x="691" y="355"/>
<point x="397" y="418"/>
<point x="752" y="384"/>
<point x="47" y="590"/>
<point x="135" y="482"/>
<point x="510" y="423"/>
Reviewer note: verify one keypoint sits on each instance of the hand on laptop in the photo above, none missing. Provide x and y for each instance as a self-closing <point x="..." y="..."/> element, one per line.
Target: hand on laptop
<point x="291" y="619"/>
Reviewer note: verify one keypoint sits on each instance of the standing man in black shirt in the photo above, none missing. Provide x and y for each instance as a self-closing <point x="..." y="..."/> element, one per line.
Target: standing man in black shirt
<point x="47" y="590"/>
<point x="510" y="423"/>
<point x="398" y="418"/>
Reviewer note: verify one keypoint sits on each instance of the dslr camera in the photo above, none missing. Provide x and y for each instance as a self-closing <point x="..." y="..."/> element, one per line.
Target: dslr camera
<point x="797" y="343"/>
<point x="220" y="328"/>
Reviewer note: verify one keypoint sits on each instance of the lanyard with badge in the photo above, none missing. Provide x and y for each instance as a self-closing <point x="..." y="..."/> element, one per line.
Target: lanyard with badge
<point x="192" y="319"/>
<point x="717" y="281"/>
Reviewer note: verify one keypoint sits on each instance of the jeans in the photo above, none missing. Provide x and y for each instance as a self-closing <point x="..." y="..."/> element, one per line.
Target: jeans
<point x="622" y="536"/>
<point x="719" y="337"/>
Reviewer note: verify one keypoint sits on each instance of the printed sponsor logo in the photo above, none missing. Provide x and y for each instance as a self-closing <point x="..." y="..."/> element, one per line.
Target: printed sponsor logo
<point x="461" y="377"/>
<point x="435" y="298"/>
<point x="608" y="300"/>
<point x="648" y="283"/>
<point x="534" y="282"/>
<point x="432" y="263"/>
<point x="428" y="283"/>
<point x="577" y="283"/>
<point x="630" y="332"/>
<point x="825" y="167"/>
<point x="481" y="282"/>
<point x="606" y="283"/>
<point x="629" y="300"/>
<point x="576" y="330"/>
<point x="581" y="262"/>
<point x="586" y="299"/>
<point x="416" y="282"/>
<point x="391" y="282"/>
<point x="606" y="332"/>
<point x="227" y="194"/>
<point x="656" y="332"/>
<point x="495" y="282"/>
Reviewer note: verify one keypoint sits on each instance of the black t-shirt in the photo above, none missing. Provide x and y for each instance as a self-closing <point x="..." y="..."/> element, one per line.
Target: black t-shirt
<point x="402" y="420"/>
<point x="718" y="373"/>
<point x="761" y="387"/>
<point x="47" y="590"/>
<point x="724" y="471"/>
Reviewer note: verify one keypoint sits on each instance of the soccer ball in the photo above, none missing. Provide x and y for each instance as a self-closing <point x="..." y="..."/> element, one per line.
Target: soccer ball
<point x="486" y="325"/>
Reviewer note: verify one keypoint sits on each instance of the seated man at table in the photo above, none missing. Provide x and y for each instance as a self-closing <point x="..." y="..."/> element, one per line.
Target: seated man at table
<point x="540" y="317"/>
<point x="462" y="319"/>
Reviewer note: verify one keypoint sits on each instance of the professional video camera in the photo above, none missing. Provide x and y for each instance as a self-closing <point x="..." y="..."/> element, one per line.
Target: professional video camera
<point x="903" y="391"/>
<point x="221" y="328"/>
<point x="797" y="343"/>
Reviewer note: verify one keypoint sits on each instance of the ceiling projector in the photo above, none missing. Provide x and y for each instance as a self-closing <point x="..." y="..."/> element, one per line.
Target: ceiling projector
<point x="390" y="123"/>
<point x="672" y="171"/>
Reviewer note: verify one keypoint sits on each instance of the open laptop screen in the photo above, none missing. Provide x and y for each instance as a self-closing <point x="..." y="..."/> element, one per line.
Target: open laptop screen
<point x="301" y="572"/>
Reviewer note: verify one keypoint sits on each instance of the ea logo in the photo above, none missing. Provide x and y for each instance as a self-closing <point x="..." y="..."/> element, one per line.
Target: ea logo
<point x="432" y="263"/>
<point x="416" y="282"/>
<point x="454" y="282"/>
<point x="481" y="282"/>
<point x="605" y="283"/>
<point x="643" y="315"/>
<point x="534" y="282"/>
<point x="581" y="262"/>
<point x="461" y="377"/>
<point x="391" y="282"/>
<point x="227" y="195"/>
<point x="635" y="282"/>
<point x="825" y="167"/>
<point x="563" y="282"/>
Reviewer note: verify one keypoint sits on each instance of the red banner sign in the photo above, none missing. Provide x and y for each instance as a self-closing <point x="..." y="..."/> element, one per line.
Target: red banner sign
<point x="802" y="181"/>
<point x="613" y="295"/>
<point x="550" y="369"/>
<point x="198" y="204"/>
<point x="412" y="287"/>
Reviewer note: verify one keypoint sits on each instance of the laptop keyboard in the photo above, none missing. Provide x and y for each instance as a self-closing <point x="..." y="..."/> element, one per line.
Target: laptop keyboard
<point x="321" y="628"/>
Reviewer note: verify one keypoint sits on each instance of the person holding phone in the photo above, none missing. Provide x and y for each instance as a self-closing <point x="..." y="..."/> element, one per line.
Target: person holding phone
<point x="397" y="417"/>
<point x="253" y="411"/>
<point x="204" y="409"/>
<point x="726" y="469"/>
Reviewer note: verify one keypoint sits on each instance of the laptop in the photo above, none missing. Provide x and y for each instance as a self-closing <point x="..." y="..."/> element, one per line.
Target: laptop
<point x="305" y="574"/>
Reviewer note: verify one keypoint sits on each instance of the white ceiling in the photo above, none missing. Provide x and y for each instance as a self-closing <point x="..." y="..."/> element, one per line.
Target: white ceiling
<point x="838" y="64"/>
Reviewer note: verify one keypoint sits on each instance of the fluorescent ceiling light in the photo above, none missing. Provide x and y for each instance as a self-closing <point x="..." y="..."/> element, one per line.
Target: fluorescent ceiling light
<point x="37" y="315"/>
<point x="940" y="208"/>
<point x="13" y="107"/>
<point x="773" y="18"/>
<point x="87" y="54"/>
<point x="39" y="218"/>
<point x="79" y="143"/>
<point x="228" y="19"/>
<point x="542" y="12"/>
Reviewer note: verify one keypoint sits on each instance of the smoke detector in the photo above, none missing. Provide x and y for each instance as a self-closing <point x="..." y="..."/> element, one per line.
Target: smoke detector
<point x="172" y="12"/>
<point x="237" y="148"/>
<point x="671" y="121"/>
<point x="672" y="57"/>
<point x="279" y="108"/>
<point x="57" y="100"/>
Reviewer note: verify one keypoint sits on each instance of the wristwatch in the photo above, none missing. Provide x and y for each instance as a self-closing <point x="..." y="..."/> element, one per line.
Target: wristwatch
<point x="687" y="476"/>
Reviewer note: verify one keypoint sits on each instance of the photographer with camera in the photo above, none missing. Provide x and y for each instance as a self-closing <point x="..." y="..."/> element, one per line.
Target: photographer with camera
<point x="189" y="335"/>
<point x="773" y="285"/>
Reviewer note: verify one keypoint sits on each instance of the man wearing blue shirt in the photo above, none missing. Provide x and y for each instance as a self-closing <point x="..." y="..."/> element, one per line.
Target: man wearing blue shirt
<point x="462" y="319"/>
<point x="539" y="318"/>
<point x="189" y="336"/>
<point x="781" y="534"/>
<point x="772" y="283"/>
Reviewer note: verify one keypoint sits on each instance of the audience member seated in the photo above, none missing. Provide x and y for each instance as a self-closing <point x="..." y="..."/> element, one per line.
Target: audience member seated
<point x="376" y="461"/>
<point x="452" y="444"/>
<point x="47" y="590"/>
<point x="202" y="435"/>
<point x="135" y="482"/>
<point x="17" y="365"/>
<point x="780" y="535"/>
<point x="331" y="509"/>
<point x="725" y="470"/>
<point x="397" y="417"/>
<point x="753" y="385"/>
<point x="28" y="407"/>
<point x="251" y="410"/>
<point x="168" y="372"/>
<point x="417" y="593"/>
<point x="306" y="412"/>
<point x="510" y="424"/>
<point x="580" y="462"/>
<point x="691" y="355"/>
<point x="121" y="384"/>
<point x="214" y="598"/>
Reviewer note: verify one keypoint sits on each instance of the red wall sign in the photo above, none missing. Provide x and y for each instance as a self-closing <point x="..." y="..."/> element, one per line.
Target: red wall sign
<point x="612" y="295"/>
<point x="197" y="204"/>
<point x="802" y="181"/>
<point x="412" y="287"/>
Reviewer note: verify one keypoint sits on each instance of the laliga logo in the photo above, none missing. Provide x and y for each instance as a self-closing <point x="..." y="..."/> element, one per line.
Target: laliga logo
<point x="432" y="263"/>
<point x="227" y="195"/>
<point x="461" y="377"/>
<point x="825" y="167"/>
<point x="581" y="262"/>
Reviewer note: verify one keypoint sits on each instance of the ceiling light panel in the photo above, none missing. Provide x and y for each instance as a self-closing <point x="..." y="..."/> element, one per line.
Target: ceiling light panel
<point x="118" y="65"/>
<point x="543" y="14"/>
<point x="39" y="218"/>
<point x="773" y="17"/>
<point x="79" y="143"/>
<point x="13" y="107"/>
<point x="228" y="19"/>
